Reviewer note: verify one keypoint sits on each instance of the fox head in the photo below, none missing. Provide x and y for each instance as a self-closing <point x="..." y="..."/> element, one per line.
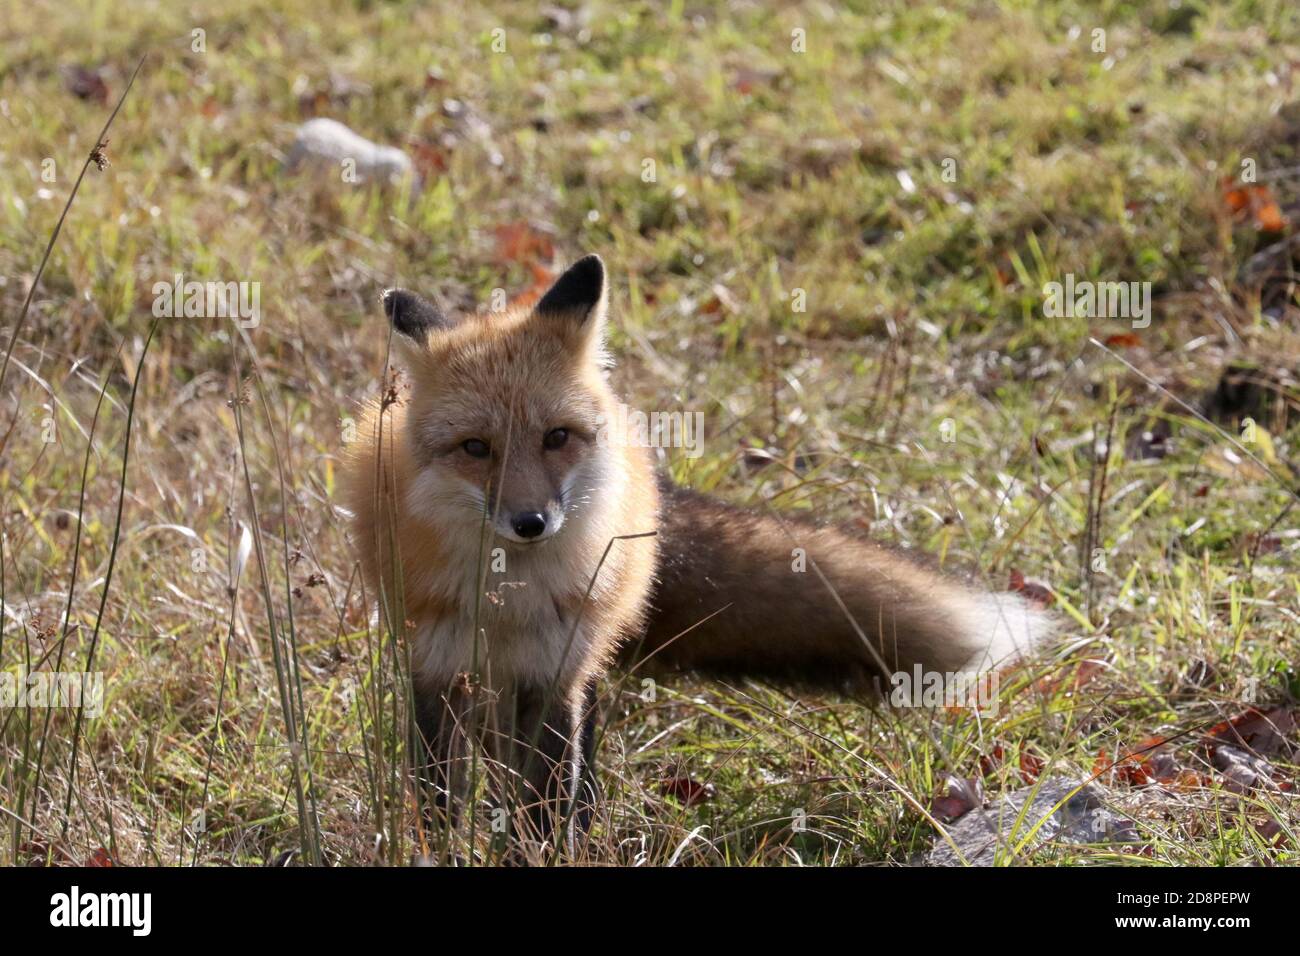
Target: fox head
<point x="505" y="411"/>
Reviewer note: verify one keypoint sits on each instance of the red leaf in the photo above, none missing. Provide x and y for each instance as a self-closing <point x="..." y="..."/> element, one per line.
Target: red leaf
<point x="721" y="301"/>
<point x="961" y="797"/>
<point x="1147" y="746"/>
<point x="1031" y="591"/>
<point x="522" y="242"/>
<point x="429" y="159"/>
<point x="1163" y="768"/>
<point x="1271" y="831"/>
<point x="746" y="79"/>
<point x="1269" y="218"/>
<point x="1132" y="771"/>
<point x="1253" y="202"/>
<point x="1140" y="766"/>
<point x="1124" y="340"/>
<point x="100" y="857"/>
<point x="542" y="278"/>
<point x="1082" y="674"/>
<point x="37" y="852"/>
<point x="1263" y="732"/>
<point x="688" y="791"/>
<point x="1031" y="765"/>
<point x="989" y="763"/>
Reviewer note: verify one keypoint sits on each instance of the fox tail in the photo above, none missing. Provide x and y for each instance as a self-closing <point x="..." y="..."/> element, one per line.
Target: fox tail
<point x="740" y="593"/>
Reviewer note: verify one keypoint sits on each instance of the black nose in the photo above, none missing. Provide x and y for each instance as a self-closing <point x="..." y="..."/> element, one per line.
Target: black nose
<point x="529" y="524"/>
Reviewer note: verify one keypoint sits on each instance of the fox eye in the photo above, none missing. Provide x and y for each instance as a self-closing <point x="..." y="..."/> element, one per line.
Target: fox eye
<point x="555" y="438"/>
<point x="475" y="448"/>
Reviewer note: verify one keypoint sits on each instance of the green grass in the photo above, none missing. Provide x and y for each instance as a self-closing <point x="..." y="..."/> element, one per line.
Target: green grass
<point x="775" y="171"/>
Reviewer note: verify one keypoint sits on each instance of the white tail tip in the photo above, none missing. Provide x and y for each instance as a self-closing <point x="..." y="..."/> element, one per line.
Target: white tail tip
<point x="1002" y="628"/>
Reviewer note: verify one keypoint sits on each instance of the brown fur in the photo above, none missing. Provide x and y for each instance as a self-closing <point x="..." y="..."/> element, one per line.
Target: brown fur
<point x="729" y="600"/>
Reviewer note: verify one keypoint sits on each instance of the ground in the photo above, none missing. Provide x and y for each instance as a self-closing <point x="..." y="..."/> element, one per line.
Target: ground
<point x="828" y="231"/>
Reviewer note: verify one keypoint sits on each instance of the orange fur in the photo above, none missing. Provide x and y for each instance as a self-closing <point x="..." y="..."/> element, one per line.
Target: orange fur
<point x="717" y="590"/>
<point x="512" y="375"/>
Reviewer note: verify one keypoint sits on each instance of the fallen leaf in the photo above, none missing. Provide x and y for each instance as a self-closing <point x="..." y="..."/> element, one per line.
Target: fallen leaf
<point x="1032" y="591"/>
<point x="1262" y="732"/>
<point x="959" y="797"/>
<point x="1072" y="677"/>
<point x="755" y="459"/>
<point x="1253" y="202"/>
<point x="1124" y="340"/>
<point x="542" y="278"/>
<point x="1271" y="832"/>
<point x="721" y="300"/>
<point x="1242" y="771"/>
<point x="1031" y="766"/>
<point x="1124" y="770"/>
<point x="992" y="761"/>
<point x="1142" y="765"/>
<point x="689" y="792"/>
<point x="746" y="79"/>
<point x="429" y="158"/>
<point x="1269" y="218"/>
<point x="523" y="242"/>
<point x="38" y="852"/>
<point x="86" y="83"/>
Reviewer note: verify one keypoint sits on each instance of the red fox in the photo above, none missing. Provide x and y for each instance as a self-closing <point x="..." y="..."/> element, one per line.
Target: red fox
<point x="523" y="544"/>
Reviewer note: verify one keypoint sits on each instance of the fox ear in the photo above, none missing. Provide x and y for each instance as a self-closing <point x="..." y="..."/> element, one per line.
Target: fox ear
<point x="413" y="315"/>
<point x="579" y="296"/>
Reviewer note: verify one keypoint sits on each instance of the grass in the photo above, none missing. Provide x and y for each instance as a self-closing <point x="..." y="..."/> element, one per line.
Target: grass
<point x="919" y="173"/>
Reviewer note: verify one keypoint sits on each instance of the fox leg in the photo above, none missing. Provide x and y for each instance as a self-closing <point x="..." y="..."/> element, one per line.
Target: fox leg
<point x="547" y="755"/>
<point x="588" y="786"/>
<point x="440" y="725"/>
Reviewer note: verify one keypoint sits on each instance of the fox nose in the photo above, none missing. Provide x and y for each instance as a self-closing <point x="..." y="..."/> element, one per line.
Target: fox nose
<point x="529" y="524"/>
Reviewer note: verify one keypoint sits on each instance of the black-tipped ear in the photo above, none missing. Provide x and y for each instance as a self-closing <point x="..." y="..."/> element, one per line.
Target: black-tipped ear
<point x="579" y="292"/>
<point x="412" y="314"/>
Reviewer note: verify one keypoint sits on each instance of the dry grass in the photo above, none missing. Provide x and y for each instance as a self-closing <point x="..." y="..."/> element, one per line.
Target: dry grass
<point x="252" y="710"/>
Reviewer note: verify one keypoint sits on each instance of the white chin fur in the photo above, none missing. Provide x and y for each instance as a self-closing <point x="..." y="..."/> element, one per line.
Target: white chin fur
<point x="1002" y="628"/>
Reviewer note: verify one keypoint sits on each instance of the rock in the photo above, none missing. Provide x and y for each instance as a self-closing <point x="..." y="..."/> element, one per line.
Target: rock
<point x="1242" y="771"/>
<point x="328" y="143"/>
<point x="1082" y="818"/>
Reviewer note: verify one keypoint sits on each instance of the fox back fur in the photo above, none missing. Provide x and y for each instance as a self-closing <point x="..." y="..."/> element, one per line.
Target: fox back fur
<point x="515" y="538"/>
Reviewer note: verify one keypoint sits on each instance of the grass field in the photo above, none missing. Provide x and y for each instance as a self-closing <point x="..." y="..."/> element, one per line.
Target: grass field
<point x="828" y="230"/>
